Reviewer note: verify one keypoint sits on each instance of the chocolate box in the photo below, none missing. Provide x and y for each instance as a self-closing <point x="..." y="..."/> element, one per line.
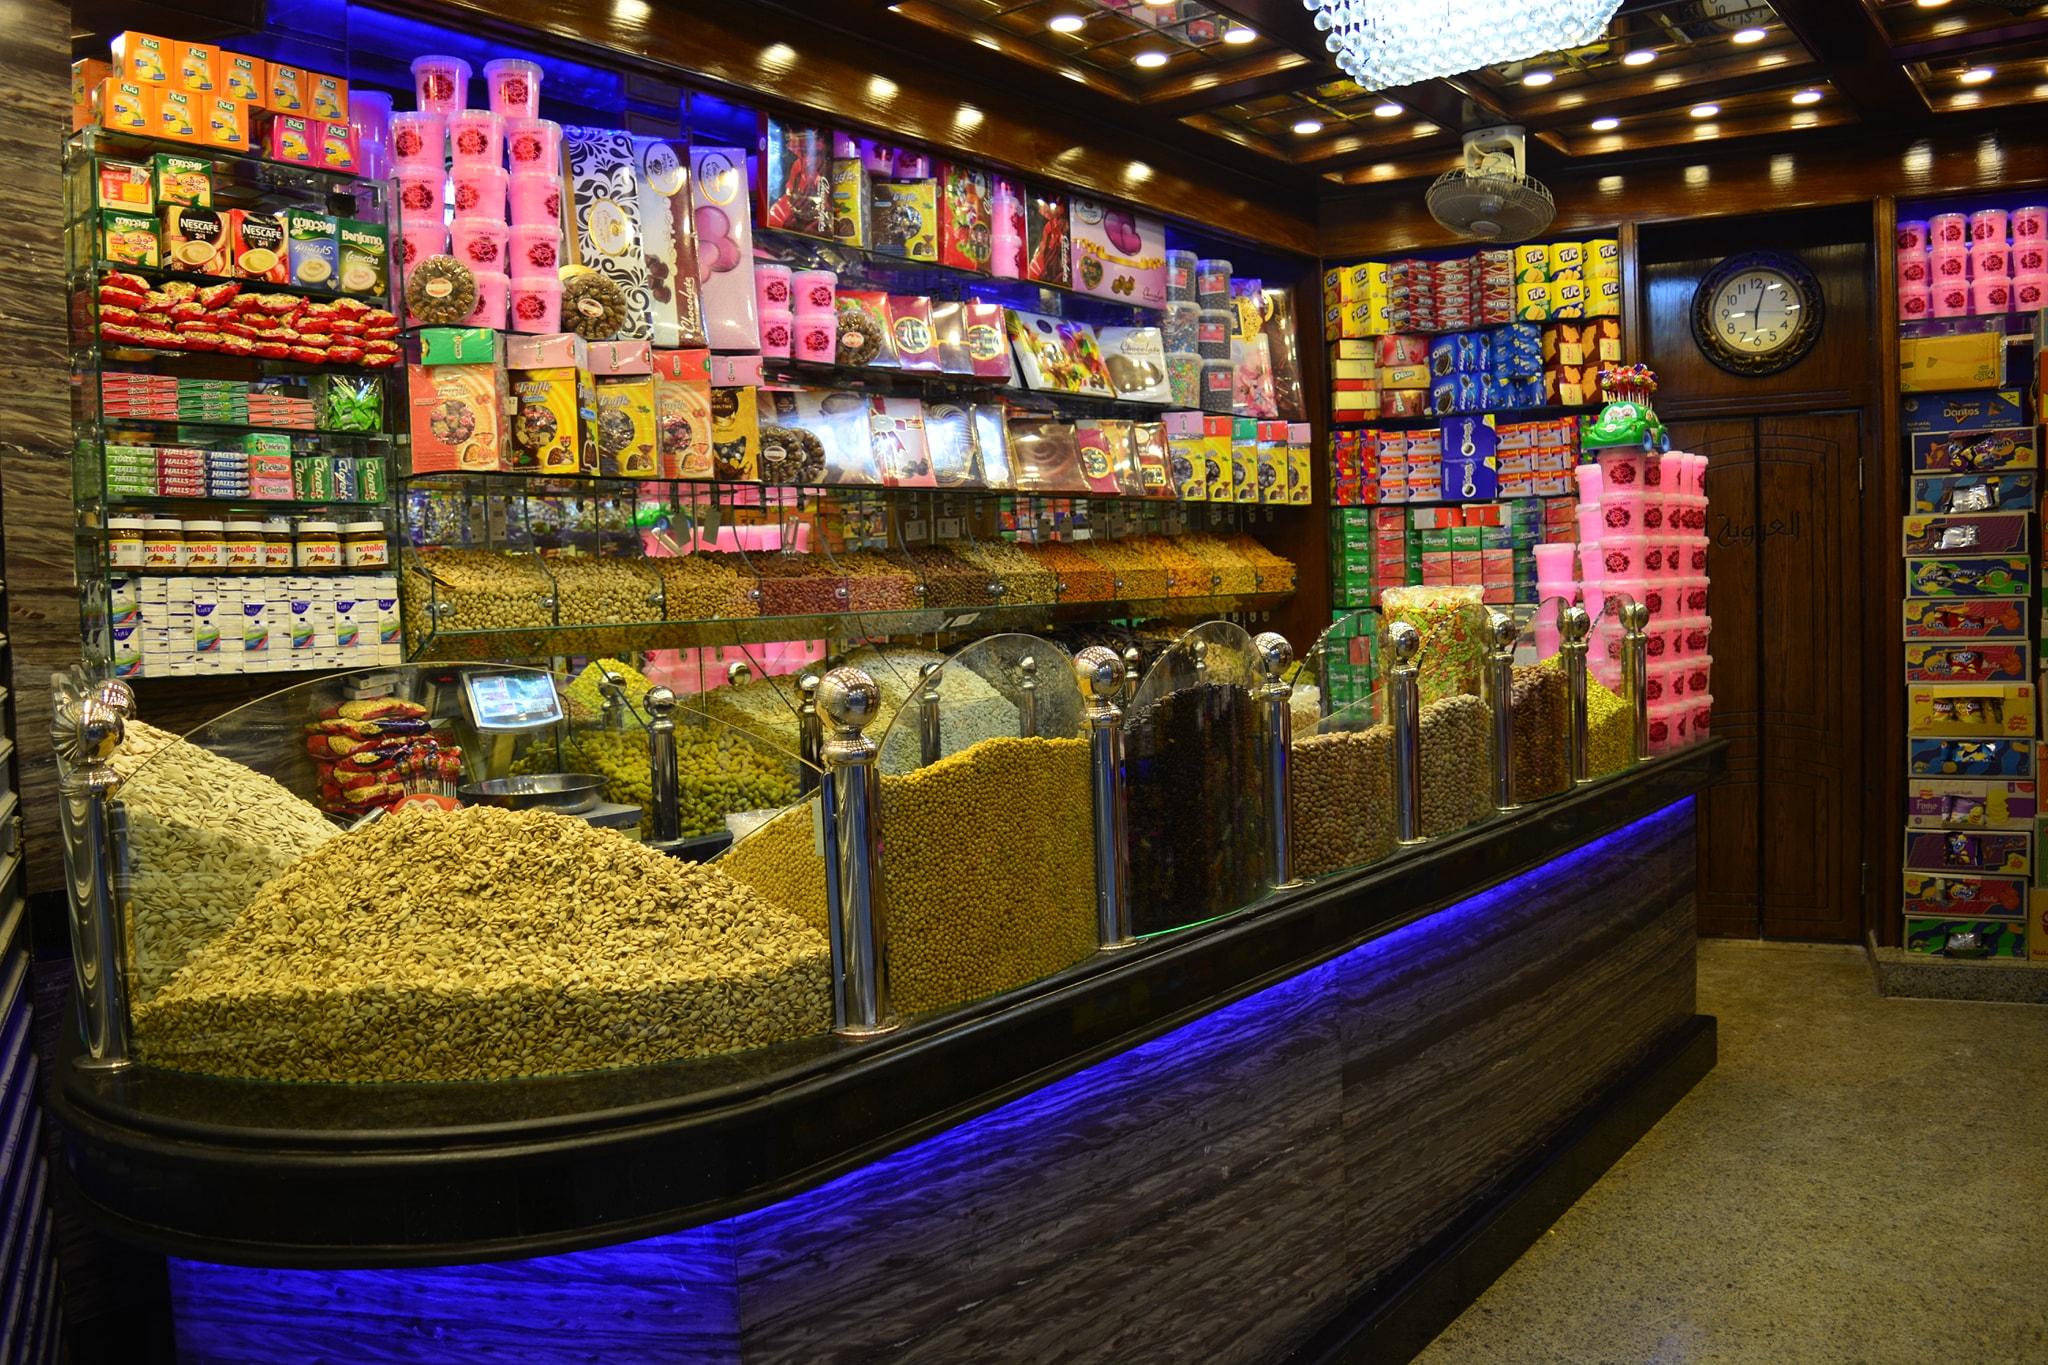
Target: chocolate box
<point x="795" y="193"/>
<point x="903" y="218"/>
<point x="457" y="417"/>
<point x="2005" y="852"/>
<point x="1118" y="254"/>
<point x="1976" y="576"/>
<point x="966" y="200"/>
<point x="1047" y="226"/>
<point x="1981" y="533"/>
<point x="682" y="414"/>
<point x="1963" y="803"/>
<point x="1967" y="618"/>
<point x="627" y="445"/>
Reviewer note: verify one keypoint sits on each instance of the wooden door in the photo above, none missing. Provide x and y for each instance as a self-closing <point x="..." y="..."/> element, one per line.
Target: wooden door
<point x="1781" y="848"/>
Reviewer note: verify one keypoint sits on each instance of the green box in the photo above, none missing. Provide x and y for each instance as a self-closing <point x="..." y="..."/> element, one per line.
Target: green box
<point x="1428" y="542"/>
<point x="458" y="346"/>
<point x="1467" y="539"/>
<point x="266" y="443"/>
<point x="313" y="478"/>
<point x="182" y="179"/>
<point x="129" y="238"/>
<point x="370" y="477"/>
<point x="365" y="257"/>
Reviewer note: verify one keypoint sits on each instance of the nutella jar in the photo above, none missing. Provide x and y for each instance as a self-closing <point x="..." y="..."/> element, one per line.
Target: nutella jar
<point x="245" y="546"/>
<point x="124" y="542"/>
<point x="319" y="545"/>
<point x="278" y="556"/>
<point x="205" y="545"/>
<point x="363" y="545"/>
<point x="163" y="545"/>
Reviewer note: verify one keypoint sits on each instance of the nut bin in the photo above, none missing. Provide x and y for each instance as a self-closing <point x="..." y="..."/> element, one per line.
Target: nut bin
<point x="1025" y="579"/>
<point x="949" y="580"/>
<point x="1080" y="579"/>
<point x="800" y="583"/>
<point x="1140" y="576"/>
<point x="447" y="590"/>
<point x="707" y="586"/>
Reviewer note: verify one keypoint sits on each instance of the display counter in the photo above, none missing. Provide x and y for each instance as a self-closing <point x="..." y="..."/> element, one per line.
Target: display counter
<point x="994" y="922"/>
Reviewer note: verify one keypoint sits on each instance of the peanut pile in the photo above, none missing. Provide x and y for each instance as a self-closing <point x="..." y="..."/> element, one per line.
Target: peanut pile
<point x="706" y="587"/>
<point x="459" y="945"/>
<point x="1342" y="811"/>
<point x="1456" y="744"/>
<point x="476" y="590"/>
<point x="1540" y="702"/>
<point x="1610" y="731"/>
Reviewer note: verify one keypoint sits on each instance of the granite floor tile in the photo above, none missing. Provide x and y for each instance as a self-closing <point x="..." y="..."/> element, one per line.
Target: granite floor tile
<point x="1859" y="1181"/>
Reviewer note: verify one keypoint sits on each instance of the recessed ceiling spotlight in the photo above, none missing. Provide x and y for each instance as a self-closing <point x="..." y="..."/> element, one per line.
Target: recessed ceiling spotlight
<point x="1388" y="109"/>
<point x="1642" y="56"/>
<point x="1807" y="97"/>
<point x="1749" y="35"/>
<point x="1930" y="4"/>
<point x="1606" y="125"/>
<point x="1307" y="126"/>
<point x="1238" y="33"/>
<point x="1538" y="77"/>
<point x="1977" y="75"/>
<point x="1149" y="59"/>
<point x="1066" y="23"/>
<point x="1705" y="110"/>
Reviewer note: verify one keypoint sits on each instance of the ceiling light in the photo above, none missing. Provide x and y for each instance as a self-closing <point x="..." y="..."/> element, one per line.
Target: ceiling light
<point x="1749" y="35"/>
<point x="1386" y="44"/>
<point x="1807" y="97"/>
<point x="1606" y="125"/>
<point x="1705" y="110"/>
<point x="1930" y="4"/>
<point x="1977" y="75"/>
<point x="1307" y="126"/>
<point x="1066" y="23"/>
<point x="1238" y="33"/>
<point x="1149" y="59"/>
<point x="1388" y="109"/>
<point x="1642" y="56"/>
<point x="1538" y="78"/>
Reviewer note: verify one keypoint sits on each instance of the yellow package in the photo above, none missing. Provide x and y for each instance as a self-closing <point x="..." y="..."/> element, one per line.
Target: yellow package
<point x="1216" y="459"/>
<point x="198" y="68"/>
<point x="736" y="431"/>
<point x="243" y="78"/>
<point x="554" y="416"/>
<point x="1186" y="471"/>
<point x="627" y="446"/>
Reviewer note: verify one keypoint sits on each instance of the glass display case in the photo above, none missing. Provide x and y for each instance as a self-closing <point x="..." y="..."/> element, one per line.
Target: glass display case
<point x="1193" y="773"/>
<point x="1454" y="720"/>
<point x="1539" y="699"/>
<point x="1342" y="769"/>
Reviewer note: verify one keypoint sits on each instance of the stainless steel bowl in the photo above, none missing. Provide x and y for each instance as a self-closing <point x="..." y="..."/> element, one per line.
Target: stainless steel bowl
<point x="568" y="793"/>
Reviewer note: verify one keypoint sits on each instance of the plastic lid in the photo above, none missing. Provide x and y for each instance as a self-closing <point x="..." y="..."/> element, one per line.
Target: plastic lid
<point x="126" y="523"/>
<point x="316" y="527"/>
<point x="244" y="528"/>
<point x="278" y="525"/>
<point x="202" y="526"/>
<point x="511" y="64"/>
<point x="361" y="527"/>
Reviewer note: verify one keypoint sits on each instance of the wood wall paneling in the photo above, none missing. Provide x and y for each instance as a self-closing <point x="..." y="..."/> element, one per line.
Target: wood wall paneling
<point x="1884" y="502"/>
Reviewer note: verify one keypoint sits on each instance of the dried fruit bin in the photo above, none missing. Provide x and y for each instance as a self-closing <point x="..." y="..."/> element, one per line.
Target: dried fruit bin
<point x="1195" y="782"/>
<point x="989" y="876"/>
<point x="467" y="592"/>
<point x="1455" y="723"/>
<point x="799" y="583"/>
<point x="1342" y="802"/>
<point x="707" y="586"/>
<point x="430" y="945"/>
<point x="1025" y="580"/>
<point x="1539" y="701"/>
<point x="949" y="580"/>
<point x="1139" y="576"/>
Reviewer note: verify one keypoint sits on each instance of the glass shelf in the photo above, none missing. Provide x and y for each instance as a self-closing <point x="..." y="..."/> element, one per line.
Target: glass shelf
<point x="903" y="275"/>
<point x="1430" y="419"/>
<point x="188" y="431"/>
<point x="240" y="169"/>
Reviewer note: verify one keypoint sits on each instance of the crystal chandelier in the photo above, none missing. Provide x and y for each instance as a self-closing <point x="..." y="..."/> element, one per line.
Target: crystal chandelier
<point x="1386" y="43"/>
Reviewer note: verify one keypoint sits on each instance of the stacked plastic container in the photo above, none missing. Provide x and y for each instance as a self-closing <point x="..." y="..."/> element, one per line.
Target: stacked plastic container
<point x="1961" y="264"/>
<point x="1214" y="316"/>
<point x="457" y="196"/>
<point x="1643" y="532"/>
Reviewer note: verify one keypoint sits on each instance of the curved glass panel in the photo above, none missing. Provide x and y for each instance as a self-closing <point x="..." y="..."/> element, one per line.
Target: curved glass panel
<point x="1194" y="782"/>
<point x="1341" y="813"/>
<point x="1455" y="722"/>
<point x="1540" y="701"/>
<point x="430" y="941"/>
<point x="1610" y="711"/>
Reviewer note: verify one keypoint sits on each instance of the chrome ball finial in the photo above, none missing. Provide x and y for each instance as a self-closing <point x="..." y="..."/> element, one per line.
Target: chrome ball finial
<point x="1274" y="653"/>
<point x="1099" y="672"/>
<point x="849" y="698"/>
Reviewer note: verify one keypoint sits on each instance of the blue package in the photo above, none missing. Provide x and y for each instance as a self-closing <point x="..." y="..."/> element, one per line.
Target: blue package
<point x="1970" y="757"/>
<point x="1474" y="355"/>
<point x="1443" y="395"/>
<point x="1443" y="357"/>
<point x="1469" y="396"/>
<point x="1962" y="410"/>
<point x="1957" y="493"/>
<point x="1492" y="392"/>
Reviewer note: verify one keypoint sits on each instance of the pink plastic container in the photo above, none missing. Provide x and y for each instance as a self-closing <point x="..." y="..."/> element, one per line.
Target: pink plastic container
<point x="1657" y="645"/>
<point x="480" y="243"/>
<point x="480" y="192"/>
<point x="476" y="137"/>
<point x="1699" y="674"/>
<point x="2030" y="224"/>
<point x="771" y="286"/>
<point x="1623" y="557"/>
<point x="1662" y="598"/>
<point x="1699" y="632"/>
<point x="1657" y="513"/>
<point x="1594" y="592"/>
<point x="1699" y="719"/>
<point x="1988" y="225"/>
<point x="1696" y="556"/>
<point x="1915" y="303"/>
<point x="813" y="291"/>
<point x="534" y="251"/>
<point x="816" y="338"/>
<point x="493" y="299"/>
<point x="1621" y="471"/>
<point x="2030" y="292"/>
<point x="1991" y="296"/>
<point x="1991" y="262"/>
<point x="1654" y="559"/>
<point x="1674" y="688"/>
<point x="1914" y="270"/>
<point x="1632" y="589"/>
<point x="1622" y="514"/>
<point x="514" y="87"/>
<point x="1588" y="514"/>
<point x="1912" y="236"/>
<point x="536" y="303"/>
<point x="442" y="84"/>
<point x="1948" y="267"/>
<point x="419" y="142"/>
<point x="2029" y="258"/>
<point x="1554" y="565"/>
<point x="778" y="335"/>
<point x="423" y="198"/>
<point x="1590" y="485"/>
<point x="1947" y="230"/>
<point x="1664" y="726"/>
<point x="536" y="200"/>
<point x="1657" y="688"/>
<point x="1951" y="301"/>
<point x="1694" y="598"/>
<point x="533" y="145"/>
<point x="417" y="241"/>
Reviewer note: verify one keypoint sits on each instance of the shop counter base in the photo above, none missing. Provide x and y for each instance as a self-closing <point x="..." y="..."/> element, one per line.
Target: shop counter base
<point x="1300" y="1130"/>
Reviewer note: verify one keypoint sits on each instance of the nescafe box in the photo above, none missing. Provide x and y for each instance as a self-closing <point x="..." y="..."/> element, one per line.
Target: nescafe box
<point x="258" y="244"/>
<point x="195" y="239"/>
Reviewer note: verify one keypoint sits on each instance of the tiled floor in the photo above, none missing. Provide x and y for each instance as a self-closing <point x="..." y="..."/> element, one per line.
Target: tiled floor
<point x="1859" y="1180"/>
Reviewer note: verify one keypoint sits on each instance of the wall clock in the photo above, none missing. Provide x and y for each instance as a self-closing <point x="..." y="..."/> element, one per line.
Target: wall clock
<point x="1757" y="313"/>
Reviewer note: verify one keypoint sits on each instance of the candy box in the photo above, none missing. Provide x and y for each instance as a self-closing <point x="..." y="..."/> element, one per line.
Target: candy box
<point x="1963" y="410"/>
<point x="329" y="97"/>
<point x="1974" y="452"/>
<point x="1957" y="493"/>
<point x="227" y="123"/>
<point x="457" y="417"/>
<point x="1990" y="533"/>
<point x="458" y="345"/>
<point x="180" y="114"/>
<point x="903" y="217"/>
<point x="127" y="106"/>
<point x="553" y="420"/>
<point x="1993" y="938"/>
<point x="126" y="186"/>
<point x="128" y="238"/>
<point x="966" y="200"/>
<point x="795" y="192"/>
<point x="1047" y="223"/>
<point x="195" y="240"/>
<point x="546" y="351"/>
<point x="851" y="201"/>
<point x="144" y="58"/>
<point x="311" y="249"/>
<point x="198" y="68"/>
<point x="1118" y="254"/>
<point x="1969" y="758"/>
<point x="243" y="79"/>
<point x="337" y="145"/>
<point x="177" y="179"/>
<point x="987" y="348"/>
<point x="910" y="329"/>
<point x="1958" y="710"/>
<point x="292" y="138"/>
<point x="285" y="89"/>
<point x="736" y="432"/>
<point x="1976" y="576"/>
<point x="365" y="257"/>
<point x="1966" y="663"/>
<point x="897" y="428"/>
<point x="1954" y="803"/>
<point x="682" y="413"/>
<point x="1983" y="618"/>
